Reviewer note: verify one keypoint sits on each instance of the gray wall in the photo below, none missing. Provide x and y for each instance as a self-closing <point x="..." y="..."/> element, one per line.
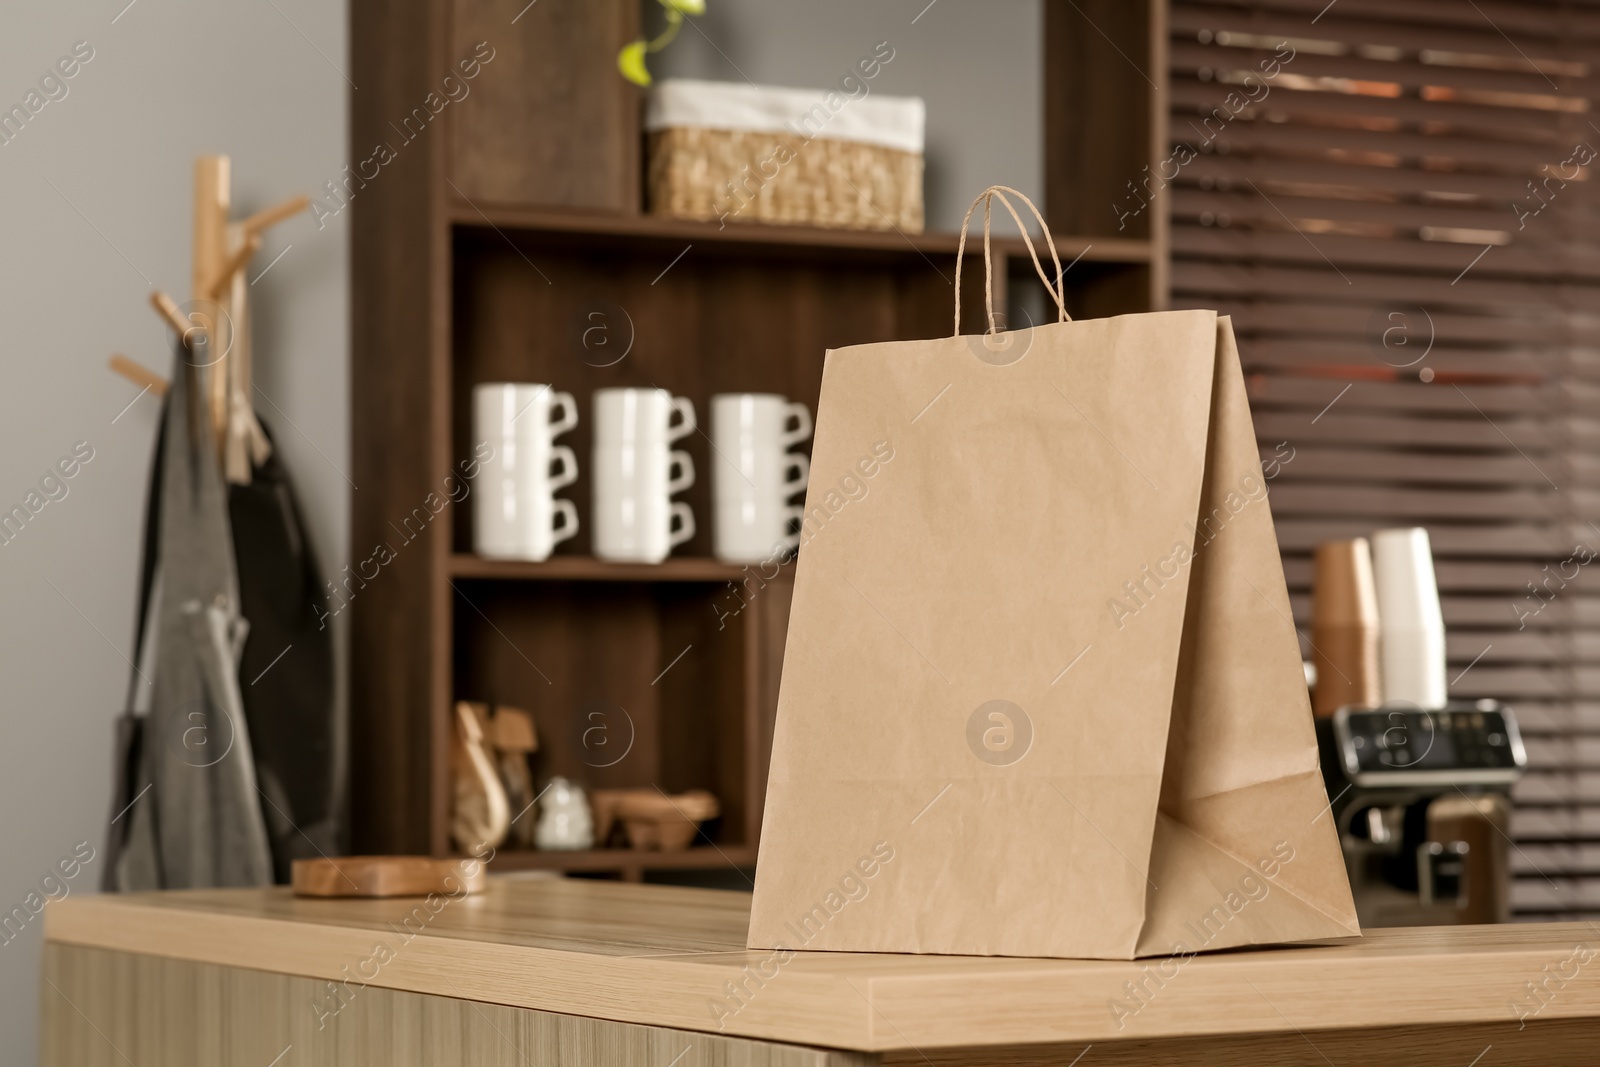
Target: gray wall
<point x="95" y="208"/>
<point x="977" y="66"/>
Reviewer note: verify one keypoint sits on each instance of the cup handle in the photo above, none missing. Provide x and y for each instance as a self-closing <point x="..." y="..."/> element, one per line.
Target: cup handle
<point x="797" y="471"/>
<point x="685" y="476"/>
<point x="567" y="512"/>
<point x="796" y="514"/>
<point x="802" y="418"/>
<point x="569" y="467"/>
<point x="683" y="519"/>
<point x="683" y="408"/>
<point x="568" y="407"/>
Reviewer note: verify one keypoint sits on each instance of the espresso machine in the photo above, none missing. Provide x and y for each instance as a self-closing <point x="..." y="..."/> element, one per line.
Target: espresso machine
<point x="1421" y="800"/>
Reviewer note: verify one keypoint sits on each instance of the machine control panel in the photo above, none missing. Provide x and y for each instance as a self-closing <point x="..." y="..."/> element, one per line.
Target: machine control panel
<point x="1464" y="742"/>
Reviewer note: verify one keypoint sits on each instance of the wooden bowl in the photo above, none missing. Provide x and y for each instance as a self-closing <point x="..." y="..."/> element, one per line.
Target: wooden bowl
<point x="662" y="823"/>
<point x="604" y="803"/>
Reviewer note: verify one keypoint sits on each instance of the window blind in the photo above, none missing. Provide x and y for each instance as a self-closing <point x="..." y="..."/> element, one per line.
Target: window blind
<point x="1396" y="202"/>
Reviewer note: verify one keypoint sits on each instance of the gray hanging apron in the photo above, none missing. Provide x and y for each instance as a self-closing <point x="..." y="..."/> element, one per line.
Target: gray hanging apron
<point x="200" y="825"/>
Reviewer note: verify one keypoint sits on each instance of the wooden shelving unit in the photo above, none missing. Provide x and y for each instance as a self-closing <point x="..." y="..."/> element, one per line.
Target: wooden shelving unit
<point x="644" y="229"/>
<point x="492" y="247"/>
<point x="589" y="569"/>
<point x="625" y="860"/>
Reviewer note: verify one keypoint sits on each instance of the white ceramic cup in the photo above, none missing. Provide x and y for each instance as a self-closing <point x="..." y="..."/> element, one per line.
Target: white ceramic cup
<point x="627" y="417"/>
<point x="753" y="513"/>
<point x="754" y="533"/>
<point x="746" y="421"/>
<point x="635" y="519"/>
<point x="753" y="474"/>
<point x="515" y="514"/>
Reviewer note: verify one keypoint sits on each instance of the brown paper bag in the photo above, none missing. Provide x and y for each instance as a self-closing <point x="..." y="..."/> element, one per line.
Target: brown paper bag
<point x="1042" y="694"/>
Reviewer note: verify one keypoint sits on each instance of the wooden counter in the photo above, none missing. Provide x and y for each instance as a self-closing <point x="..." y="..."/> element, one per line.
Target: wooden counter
<point x="579" y="972"/>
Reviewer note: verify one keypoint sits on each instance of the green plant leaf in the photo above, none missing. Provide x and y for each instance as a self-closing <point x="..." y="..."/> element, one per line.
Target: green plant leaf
<point x="630" y="61"/>
<point x="688" y="7"/>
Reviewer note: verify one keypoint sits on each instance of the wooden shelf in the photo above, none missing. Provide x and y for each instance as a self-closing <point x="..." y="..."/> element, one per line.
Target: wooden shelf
<point x="700" y="857"/>
<point x="589" y="569"/>
<point x="517" y="218"/>
<point x="460" y="277"/>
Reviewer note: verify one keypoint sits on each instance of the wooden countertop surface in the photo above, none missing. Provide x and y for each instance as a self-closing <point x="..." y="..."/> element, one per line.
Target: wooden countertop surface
<point x="662" y="956"/>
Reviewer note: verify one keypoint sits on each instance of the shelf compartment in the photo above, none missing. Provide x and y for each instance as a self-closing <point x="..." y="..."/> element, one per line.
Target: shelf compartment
<point x="630" y="685"/>
<point x="589" y="569"/>
<point x="630" y="229"/>
<point x="694" y="324"/>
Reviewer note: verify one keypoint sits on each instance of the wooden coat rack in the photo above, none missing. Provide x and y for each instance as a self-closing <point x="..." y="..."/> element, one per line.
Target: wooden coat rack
<point x="221" y="252"/>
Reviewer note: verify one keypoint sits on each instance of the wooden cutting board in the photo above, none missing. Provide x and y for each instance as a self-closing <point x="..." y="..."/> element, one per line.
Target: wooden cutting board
<point x="387" y="876"/>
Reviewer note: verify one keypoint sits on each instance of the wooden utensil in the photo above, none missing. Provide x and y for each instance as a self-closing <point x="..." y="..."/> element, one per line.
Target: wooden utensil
<point x="514" y="737"/>
<point x="387" y="876"/>
<point x="482" y="814"/>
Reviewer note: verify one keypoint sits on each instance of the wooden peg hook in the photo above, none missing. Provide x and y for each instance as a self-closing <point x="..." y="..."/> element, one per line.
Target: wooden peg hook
<point x="264" y="220"/>
<point x="213" y="271"/>
<point x="224" y="278"/>
<point x="138" y="374"/>
<point x="168" y="310"/>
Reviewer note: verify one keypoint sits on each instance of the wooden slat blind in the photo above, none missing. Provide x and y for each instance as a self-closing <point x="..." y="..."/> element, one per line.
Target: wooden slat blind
<point x="1425" y="341"/>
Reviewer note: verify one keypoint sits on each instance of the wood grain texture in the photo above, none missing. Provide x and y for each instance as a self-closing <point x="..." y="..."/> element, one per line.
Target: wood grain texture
<point x="1541" y="1044"/>
<point x="549" y="120"/>
<point x="103" y="1009"/>
<point x="385" y="876"/>
<point x="786" y="240"/>
<point x="110" y="1009"/>
<point x="662" y="956"/>
<point x="766" y="648"/>
<point x="581" y="660"/>
<point x="1099" y="81"/>
<point x="396" y="769"/>
<point x="590" y="569"/>
<point x="628" y="861"/>
<point x="1159" y="134"/>
<point x="213" y="199"/>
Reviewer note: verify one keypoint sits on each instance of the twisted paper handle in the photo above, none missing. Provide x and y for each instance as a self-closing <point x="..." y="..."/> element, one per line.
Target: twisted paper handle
<point x="1056" y="291"/>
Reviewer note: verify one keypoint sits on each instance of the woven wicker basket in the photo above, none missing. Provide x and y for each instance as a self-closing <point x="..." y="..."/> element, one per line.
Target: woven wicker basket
<point x="754" y="176"/>
<point x="804" y="157"/>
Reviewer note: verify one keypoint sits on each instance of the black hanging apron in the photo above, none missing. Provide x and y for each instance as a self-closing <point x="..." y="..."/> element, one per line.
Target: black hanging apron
<point x="286" y="673"/>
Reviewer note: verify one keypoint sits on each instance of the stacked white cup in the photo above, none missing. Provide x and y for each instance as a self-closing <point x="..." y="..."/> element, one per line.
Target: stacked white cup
<point x="515" y="514"/>
<point x="1411" y="640"/>
<point x="754" y="475"/>
<point x="636" y="471"/>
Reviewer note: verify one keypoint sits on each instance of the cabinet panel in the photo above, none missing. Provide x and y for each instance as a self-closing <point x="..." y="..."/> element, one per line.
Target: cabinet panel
<point x="548" y="120"/>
